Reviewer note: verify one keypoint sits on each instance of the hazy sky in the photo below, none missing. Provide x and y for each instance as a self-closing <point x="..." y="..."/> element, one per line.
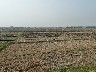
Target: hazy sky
<point x="49" y="13"/>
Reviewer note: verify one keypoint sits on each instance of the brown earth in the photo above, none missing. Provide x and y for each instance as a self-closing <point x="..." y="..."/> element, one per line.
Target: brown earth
<point x="74" y="50"/>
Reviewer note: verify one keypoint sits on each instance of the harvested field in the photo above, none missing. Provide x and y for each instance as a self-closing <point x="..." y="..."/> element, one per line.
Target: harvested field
<point x="39" y="52"/>
<point x="31" y="57"/>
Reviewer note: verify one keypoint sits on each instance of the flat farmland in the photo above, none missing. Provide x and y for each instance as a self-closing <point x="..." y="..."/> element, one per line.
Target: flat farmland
<point x="43" y="51"/>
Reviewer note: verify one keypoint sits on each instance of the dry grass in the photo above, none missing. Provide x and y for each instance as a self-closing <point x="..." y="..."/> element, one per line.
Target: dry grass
<point x="39" y="57"/>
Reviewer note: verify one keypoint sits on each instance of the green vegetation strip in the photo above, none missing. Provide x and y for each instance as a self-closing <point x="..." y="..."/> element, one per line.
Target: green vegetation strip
<point x="3" y="44"/>
<point x="75" y="69"/>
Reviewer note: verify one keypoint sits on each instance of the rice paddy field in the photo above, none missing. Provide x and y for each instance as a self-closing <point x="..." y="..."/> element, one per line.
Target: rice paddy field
<point x="50" y="52"/>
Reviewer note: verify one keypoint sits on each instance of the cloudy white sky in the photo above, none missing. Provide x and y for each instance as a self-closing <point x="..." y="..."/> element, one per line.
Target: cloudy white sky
<point x="50" y="13"/>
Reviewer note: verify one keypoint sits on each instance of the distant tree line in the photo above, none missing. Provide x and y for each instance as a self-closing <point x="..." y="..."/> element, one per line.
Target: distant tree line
<point x="42" y="29"/>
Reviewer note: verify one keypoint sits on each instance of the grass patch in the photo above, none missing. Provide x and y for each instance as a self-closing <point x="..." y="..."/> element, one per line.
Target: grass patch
<point x="75" y="69"/>
<point x="3" y="44"/>
<point x="12" y="38"/>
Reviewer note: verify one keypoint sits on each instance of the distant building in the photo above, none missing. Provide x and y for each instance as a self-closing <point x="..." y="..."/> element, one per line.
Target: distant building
<point x="11" y="26"/>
